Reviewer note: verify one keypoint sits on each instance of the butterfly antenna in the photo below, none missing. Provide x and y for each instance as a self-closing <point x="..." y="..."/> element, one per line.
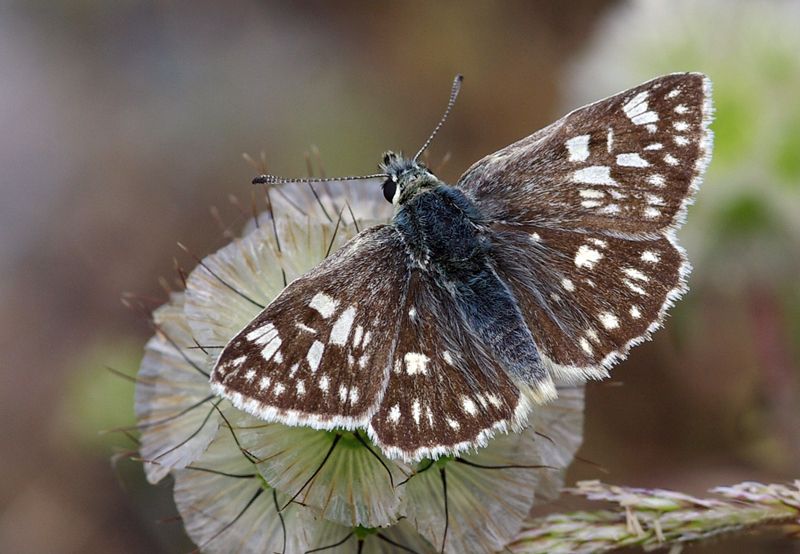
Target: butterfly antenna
<point x="453" y="95"/>
<point x="275" y="180"/>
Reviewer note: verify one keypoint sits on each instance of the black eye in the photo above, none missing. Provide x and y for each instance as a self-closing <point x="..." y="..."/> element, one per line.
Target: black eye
<point x="389" y="188"/>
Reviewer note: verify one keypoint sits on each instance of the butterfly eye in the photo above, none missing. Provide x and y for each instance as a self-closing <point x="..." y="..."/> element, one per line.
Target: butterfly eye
<point x="389" y="188"/>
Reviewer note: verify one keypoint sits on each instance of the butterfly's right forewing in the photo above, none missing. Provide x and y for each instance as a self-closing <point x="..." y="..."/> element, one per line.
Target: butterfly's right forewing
<point x="319" y="354"/>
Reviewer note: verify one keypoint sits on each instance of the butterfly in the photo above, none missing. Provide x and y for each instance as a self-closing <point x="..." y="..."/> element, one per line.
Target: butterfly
<point x="546" y="262"/>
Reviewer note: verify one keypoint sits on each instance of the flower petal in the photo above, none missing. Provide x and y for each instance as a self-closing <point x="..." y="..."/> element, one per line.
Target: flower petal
<point x="399" y="538"/>
<point x="351" y="487"/>
<point x="487" y="505"/>
<point x="226" y="506"/>
<point x="173" y="400"/>
<point x="227" y="290"/>
<point x="559" y="428"/>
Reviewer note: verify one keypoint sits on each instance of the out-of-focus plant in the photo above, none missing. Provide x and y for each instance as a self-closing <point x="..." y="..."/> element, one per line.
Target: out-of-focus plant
<point x="654" y="518"/>
<point x="746" y="219"/>
<point x="743" y="234"/>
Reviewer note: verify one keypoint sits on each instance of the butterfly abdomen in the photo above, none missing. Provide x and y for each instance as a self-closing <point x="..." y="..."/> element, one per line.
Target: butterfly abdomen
<point x="442" y="229"/>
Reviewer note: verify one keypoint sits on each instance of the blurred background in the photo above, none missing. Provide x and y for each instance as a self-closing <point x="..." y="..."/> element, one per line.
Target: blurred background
<point x="123" y="128"/>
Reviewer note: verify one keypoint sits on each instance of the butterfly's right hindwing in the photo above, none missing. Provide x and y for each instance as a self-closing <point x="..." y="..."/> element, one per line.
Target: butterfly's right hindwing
<point x="319" y="354"/>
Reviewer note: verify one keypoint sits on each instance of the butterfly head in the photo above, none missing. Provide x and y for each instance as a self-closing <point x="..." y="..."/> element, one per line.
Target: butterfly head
<point x="405" y="177"/>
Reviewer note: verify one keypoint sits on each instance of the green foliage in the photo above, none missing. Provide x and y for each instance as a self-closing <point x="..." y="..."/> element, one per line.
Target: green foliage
<point x="97" y="400"/>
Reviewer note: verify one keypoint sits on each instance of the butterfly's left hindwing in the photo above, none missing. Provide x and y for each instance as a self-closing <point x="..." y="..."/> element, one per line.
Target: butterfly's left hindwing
<point x="587" y="298"/>
<point x="319" y="354"/>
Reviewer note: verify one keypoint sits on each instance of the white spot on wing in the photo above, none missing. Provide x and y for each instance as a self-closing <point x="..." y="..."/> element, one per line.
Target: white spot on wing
<point x="578" y="148"/>
<point x="651" y="213"/>
<point x="635" y="274"/>
<point x="263" y="334"/>
<point x="594" y="175"/>
<point x="645" y="118"/>
<point x="636" y="105"/>
<point x="587" y="257"/>
<point x="680" y="126"/>
<point x="324" y="304"/>
<point x="416" y="363"/>
<point x="271" y="347"/>
<point x="586" y="346"/>
<point x="534" y="237"/>
<point x="314" y="355"/>
<point x="415" y="411"/>
<point x="278" y="389"/>
<point x="250" y="375"/>
<point x="650" y="257"/>
<point x="447" y="357"/>
<point x="468" y="405"/>
<point x="264" y="383"/>
<point x="608" y="320"/>
<point x="341" y="329"/>
<point x="493" y="400"/>
<point x="324" y="383"/>
<point x="357" y="335"/>
<point x="631" y="159"/>
<point x="656" y="180"/>
<point x="306" y="328"/>
<point x="634" y="287"/>
<point x="635" y="312"/>
<point x="568" y="285"/>
<point x="394" y="414"/>
<point x="670" y="159"/>
<point x="654" y="146"/>
<point x="453" y="424"/>
<point x="591" y="193"/>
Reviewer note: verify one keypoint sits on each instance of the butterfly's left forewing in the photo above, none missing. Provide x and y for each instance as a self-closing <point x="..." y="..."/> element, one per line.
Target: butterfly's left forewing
<point x="628" y="164"/>
<point x="319" y="354"/>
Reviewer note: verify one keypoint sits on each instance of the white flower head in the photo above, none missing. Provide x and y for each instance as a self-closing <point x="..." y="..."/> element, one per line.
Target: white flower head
<point x="246" y="485"/>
